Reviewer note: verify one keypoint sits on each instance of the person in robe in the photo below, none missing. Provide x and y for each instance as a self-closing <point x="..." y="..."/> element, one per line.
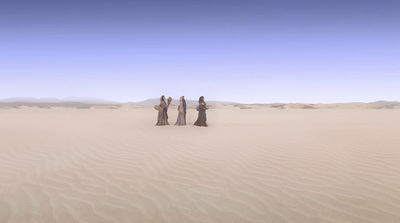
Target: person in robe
<point x="162" y="111"/>
<point x="181" y="112"/>
<point x="202" y="118"/>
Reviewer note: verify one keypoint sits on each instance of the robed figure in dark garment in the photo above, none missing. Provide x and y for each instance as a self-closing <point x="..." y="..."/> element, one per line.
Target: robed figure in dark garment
<point x="202" y="119"/>
<point x="162" y="111"/>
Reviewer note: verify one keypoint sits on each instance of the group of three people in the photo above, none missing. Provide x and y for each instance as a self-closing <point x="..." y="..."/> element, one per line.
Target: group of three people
<point x="181" y="120"/>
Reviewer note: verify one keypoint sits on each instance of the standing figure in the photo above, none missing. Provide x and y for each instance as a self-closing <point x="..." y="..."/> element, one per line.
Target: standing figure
<point x="162" y="111"/>
<point x="182" y="112"/>
<point x="202" y="119"/>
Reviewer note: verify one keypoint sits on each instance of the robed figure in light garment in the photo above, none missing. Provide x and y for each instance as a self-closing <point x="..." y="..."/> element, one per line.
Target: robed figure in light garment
<point x="202" y="118"/>
<point x="181" y="112"/>
<point x="162" y="111"/>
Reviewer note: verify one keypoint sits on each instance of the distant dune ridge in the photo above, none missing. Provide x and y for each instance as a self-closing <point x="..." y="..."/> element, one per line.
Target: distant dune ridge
<point x="77" y="102"/>
<point x="71" y="102"/>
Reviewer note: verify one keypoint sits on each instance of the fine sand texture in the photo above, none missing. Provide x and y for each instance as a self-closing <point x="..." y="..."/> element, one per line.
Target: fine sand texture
<point x="249" y="165"/>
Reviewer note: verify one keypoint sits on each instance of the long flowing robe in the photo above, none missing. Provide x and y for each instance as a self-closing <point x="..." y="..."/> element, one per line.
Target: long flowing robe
<point x="162" y="114"/>
<point x="181" y="120"/>
<point x="202" y="118"/>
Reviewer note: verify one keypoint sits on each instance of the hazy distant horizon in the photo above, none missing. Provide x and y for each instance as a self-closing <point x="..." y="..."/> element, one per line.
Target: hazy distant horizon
<point x="105" y="100"/>
<point x="240" y="51"/>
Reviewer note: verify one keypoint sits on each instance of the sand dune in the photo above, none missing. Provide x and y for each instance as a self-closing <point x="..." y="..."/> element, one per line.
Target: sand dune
<point x="249" y="165"/>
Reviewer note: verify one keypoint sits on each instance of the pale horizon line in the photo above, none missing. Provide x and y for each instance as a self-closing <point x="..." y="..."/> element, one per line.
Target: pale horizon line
<point x="92" y="99"/>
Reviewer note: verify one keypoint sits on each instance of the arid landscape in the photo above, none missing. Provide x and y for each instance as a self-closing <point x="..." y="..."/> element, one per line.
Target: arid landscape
<point x="254" y="163"/>
<point x="285" y="111"/>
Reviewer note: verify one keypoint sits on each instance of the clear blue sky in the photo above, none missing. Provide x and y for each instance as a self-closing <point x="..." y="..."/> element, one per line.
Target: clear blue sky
<point x="243" y="51"/>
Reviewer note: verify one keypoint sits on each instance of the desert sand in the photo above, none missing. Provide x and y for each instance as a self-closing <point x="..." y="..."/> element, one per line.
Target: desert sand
<point x="249" y="165"/>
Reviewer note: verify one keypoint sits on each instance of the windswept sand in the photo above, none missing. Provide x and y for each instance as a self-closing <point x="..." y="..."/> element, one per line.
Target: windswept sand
<point x="249" y="165"/>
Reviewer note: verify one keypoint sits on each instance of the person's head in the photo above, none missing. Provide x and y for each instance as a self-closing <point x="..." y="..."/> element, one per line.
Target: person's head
<point x="201" y="99"/>
<point x="183" y="98"/>
<point x="162" y="98"/>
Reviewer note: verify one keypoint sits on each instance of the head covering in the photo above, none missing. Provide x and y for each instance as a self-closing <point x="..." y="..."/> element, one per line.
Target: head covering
<point x="201" y="99"/>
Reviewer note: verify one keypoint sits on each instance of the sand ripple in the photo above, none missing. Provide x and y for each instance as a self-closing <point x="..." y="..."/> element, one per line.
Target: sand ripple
<point x="68" y="165"/>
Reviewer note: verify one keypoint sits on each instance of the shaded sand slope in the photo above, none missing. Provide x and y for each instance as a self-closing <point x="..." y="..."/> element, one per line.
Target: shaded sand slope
<point x="261" y="165"/>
